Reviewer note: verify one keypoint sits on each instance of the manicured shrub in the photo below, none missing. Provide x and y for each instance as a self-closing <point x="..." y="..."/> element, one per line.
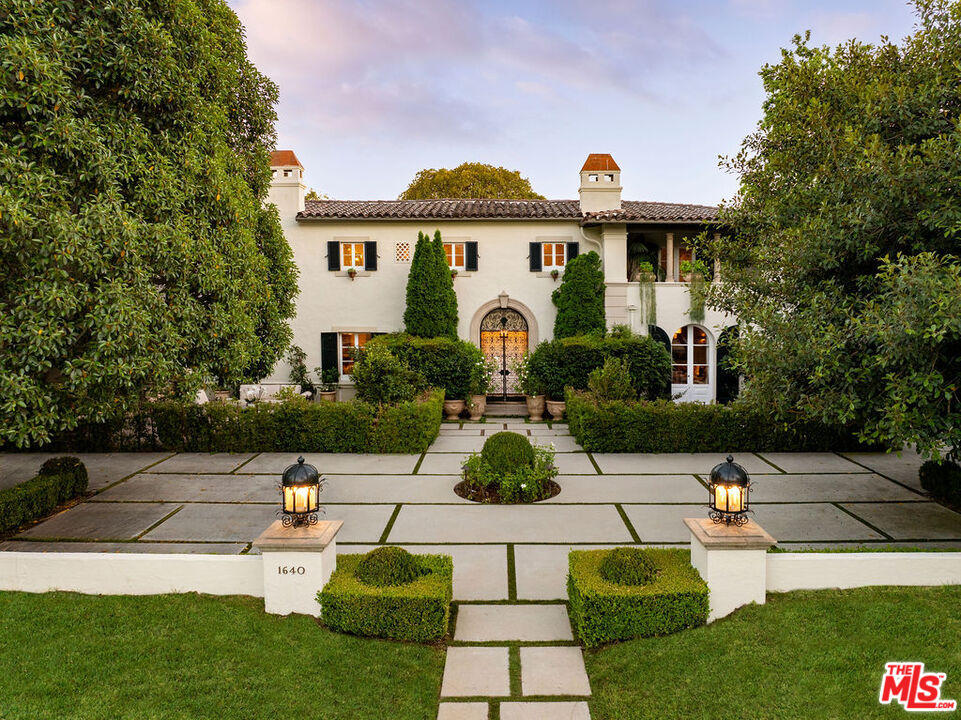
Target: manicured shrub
<point x="666" y="427"/>
<point x="383" y="379"/>
<point x="942" y="478"/>
<point x="406" y="428"/>
<point x="445" y="363"/>
<point x="580" y="298"/>
<point x="510" y="482"/>
<point x="612" y="381"/>
<point x="604" y="612"/>
<point x="388" y="566"/>
<point x="418" y="611"/>
<point x="568" y="363"/>
<point x="506" y="451"/>
<point x="628" y="566"/>
<point x="59" y="480"/>
<point x="431" y="301"/>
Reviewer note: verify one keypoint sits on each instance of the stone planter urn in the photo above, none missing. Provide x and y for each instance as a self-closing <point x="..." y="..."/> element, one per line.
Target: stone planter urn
<point x="326" y="396"/>
<point x="556" y="408"/>
<point x="478" y="404"/>
<point x="535" y="406"/>
<point x="453" y="409"/>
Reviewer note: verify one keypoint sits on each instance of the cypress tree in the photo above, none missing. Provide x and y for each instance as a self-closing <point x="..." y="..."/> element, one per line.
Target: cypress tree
<point x="431" y="301"/>
<point x="580" y="298"/>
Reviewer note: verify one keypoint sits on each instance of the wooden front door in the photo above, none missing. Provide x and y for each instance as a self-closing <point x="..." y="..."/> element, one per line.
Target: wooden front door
<point x="503" y="339"/>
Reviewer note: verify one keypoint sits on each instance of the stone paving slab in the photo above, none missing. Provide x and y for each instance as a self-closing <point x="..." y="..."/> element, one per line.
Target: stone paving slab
<point x="813" y="522"/>
<point x="675" y="463"/>
<point x="629" y="489"/>
<point x="202" y="463"/>
<point x="812" y="463"/>
<point x="827" y="488"/>
<point x="476" y="672"/>
<point x="447" y="443"/>
<point x="553" y="671"/>
<point x="929" y="521"/>
<point x="480" y="571"/>
<point x="509" y="523"/>
<point x="574" y="463"/>
<point x="102" y="521"/>
<point x="561" y="443"/>
<point x="158" y="487"/>
<point x="545" y="711"/>
<point x="462" y="711"/>
<point x="442" y="463"/>
<point x="664" y="523"/>
<point x="150" y="548"/>
<point x="903" y="468"/>
<point x="334" y="463"/>
<point x="103" y="469"/>
<point x="503" y="623"/>
<point x="391" y="489"/>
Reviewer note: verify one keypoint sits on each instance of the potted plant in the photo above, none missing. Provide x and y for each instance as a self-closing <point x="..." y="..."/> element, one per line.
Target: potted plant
<point x="453" y="273"/>
<point x="453" y="408"/>
<point x="351" y="273"/>
<point x="555" y="273"/>
<point x="696" y="273"/>
<point x="481" y="383"/>
<point x="329" y="380"/>
<point x="532" y="387"/>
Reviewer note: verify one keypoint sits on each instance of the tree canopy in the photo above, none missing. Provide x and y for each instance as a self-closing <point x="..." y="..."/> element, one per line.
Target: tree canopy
<point x="431" y="301"/>
<point x="842" y="260"/>
<point x="137" y="255"/>
<point x="580" y="298"/>
<point x="470" y="180"/>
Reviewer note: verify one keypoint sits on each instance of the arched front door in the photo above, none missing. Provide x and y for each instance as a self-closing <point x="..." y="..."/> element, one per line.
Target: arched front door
<point x="503" y="339"/>
<point x="692" y="369"/>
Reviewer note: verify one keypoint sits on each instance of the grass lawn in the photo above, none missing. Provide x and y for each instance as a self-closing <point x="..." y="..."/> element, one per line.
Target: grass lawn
<point x="803" y="655"/>
<point x="64" y="655"/>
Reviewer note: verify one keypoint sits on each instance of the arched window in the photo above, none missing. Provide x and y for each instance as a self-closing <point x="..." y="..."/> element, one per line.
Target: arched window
<point x="690" y="357"/>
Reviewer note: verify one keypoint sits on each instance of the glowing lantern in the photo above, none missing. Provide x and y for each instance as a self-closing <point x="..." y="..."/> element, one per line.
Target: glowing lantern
<point x="729" y="488"/>
<point x="300" y="492"/>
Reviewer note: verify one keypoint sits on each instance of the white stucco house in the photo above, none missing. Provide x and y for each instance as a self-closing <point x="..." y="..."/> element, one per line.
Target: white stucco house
<point x="354" y="257"/>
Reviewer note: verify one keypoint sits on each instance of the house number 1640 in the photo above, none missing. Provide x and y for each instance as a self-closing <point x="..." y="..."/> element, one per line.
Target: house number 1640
<point x="291" y="570"/>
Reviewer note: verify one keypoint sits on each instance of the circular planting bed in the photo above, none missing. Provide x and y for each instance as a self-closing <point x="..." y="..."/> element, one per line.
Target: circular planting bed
<point x="492" y="494"/>
<point x="509" y="470"/>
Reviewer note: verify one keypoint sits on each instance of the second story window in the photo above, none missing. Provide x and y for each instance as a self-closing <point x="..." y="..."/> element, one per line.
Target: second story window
<point x="455" y="255"/>
<point x="352" y="255"/>
<point x="554" y="255"/>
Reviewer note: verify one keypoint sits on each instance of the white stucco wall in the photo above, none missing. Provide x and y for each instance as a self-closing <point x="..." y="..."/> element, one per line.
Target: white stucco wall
<point x="816" y="571"/>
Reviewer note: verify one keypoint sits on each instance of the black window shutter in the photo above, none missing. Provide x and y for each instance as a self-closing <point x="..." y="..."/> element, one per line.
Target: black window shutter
<point x="470" y="256"/>
<point x="333" y="255"/>
<point x="328" y="351"/>
<point x="573" y="250"/>
<point x="370" y="255"/>
<point x="535" y="257"/>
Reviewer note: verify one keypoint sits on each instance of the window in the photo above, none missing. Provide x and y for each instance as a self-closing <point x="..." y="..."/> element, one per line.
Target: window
<point x="609" y="177"/>
<point x="689" y="357"/>
<point x="402" y="253"/>
<point x="352" y="255"/>
<point x="553" y="255"/>
<point x="455" y="255"/>
<point x="592" y="177"/>
<point x="350" y="343"/>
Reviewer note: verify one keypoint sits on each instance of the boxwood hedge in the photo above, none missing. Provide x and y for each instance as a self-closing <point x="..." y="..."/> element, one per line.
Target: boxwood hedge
<point x="59" y="480"/>
<point x="604" y="612"/>
<point x="418" y="611"/>
<point x="444" y="362"/>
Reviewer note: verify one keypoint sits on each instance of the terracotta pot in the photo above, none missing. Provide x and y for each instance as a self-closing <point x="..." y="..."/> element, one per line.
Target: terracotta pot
<point x="453" y="409"/>
<point x="478" y="404"/>
<point x="221" y="395"/>
<point x="556" y="408"/>
<point x="535" y="406"/>
<point x="323" y="396"/>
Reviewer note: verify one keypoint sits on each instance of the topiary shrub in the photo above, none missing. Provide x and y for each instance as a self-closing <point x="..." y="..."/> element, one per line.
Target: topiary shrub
<point x="388" y="566"/>
<point x="628" y="566"/>
<point x="612" y="381"/>
<point x="506" y="452"/>
<point x="580" y="298"/>
<point x="431" y="300"/>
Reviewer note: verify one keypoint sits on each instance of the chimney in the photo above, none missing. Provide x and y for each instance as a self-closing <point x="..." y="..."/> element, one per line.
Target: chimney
<point x="600" y="184"/>
<point x="287" y="187"/>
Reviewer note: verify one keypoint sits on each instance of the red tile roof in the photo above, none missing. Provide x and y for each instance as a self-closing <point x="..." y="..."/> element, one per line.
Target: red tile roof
<point x="599" y="162"/>
<point x="284" y="158"/>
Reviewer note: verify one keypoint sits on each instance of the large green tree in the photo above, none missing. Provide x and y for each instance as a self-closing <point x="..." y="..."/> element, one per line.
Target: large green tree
<point x="842" y="263"/>
<point x="470" y="180"/>
<point x="136" y="254"/>
<point x="431" y="301"/>
<point x="580" y="298"/>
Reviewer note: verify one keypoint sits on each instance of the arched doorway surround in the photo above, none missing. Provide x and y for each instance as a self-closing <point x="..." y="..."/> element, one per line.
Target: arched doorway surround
<point x="504" y="330"/>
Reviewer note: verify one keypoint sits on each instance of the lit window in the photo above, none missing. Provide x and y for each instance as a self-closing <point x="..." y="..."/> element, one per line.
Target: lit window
<point x="689" y="357"/>
<point x="352" y="255"/>
<point x="455" y="255"/>
<point x="350" y="343"/>
<point x="554" y="255"/>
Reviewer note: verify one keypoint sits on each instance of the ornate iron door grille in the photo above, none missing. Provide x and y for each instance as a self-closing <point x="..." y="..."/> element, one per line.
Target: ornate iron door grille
<point x="503" y="339"/>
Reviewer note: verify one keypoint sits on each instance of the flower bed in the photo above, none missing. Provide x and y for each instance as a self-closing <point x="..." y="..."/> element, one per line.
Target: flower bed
<point x="523" y="474"/>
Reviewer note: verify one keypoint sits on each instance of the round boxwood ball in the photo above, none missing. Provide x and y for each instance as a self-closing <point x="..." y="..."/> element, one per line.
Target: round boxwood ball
<point x="505" y="452"/>
<point x="628" y="566"/>
<point x="388" y="566"/>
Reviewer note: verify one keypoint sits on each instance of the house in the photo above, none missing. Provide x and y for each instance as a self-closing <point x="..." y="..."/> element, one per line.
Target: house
<point x="509" y="256"/>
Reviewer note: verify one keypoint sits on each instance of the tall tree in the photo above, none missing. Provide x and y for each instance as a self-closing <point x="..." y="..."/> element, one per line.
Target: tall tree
<point x="470" y="180"/>
<point x="580" y="298"/>
<point x="842" y="264"/>
<point x="137" y="253"/>
<point x="431" y="300"/>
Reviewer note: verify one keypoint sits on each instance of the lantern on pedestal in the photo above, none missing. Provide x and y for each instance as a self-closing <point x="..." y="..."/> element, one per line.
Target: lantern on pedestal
<point x="729" y="488"/>
<point x="300" y="493"/>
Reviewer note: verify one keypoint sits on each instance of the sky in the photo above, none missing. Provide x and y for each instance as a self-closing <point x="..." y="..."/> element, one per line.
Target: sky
<point x="371" y="91"/>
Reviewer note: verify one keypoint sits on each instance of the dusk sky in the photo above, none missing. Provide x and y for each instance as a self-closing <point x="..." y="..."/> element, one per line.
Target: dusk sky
<point x="372" y="91"/>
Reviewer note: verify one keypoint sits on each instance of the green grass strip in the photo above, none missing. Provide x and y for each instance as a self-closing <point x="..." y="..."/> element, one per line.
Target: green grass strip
<point x="390" y="525"/>
<point x="511" y="574"/>
<point x="630" y="528"/>
<point x="514" y="663"/>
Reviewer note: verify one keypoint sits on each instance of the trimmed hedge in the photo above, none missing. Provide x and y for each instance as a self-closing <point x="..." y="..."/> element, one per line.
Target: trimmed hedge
<point x="446" y="363"/>
<point x="568" y="362"/>
<point x="667" y="427"/>
<point x="506" y="452"/>
<point x="293" y="426"/>
<point x="59" y="480"/>
<point x="942" y="479"/>
<point x="418" y="611"/>
<point x="604" y="612"/>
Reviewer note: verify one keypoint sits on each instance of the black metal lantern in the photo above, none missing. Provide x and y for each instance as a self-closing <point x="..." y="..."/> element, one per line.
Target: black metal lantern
<point x="300" y="493"/>
<point x="729" y="488"/>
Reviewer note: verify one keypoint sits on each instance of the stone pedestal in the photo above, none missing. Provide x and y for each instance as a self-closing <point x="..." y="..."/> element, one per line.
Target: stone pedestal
<point x="733" y="562"/>
<point x="297" y="564"/>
